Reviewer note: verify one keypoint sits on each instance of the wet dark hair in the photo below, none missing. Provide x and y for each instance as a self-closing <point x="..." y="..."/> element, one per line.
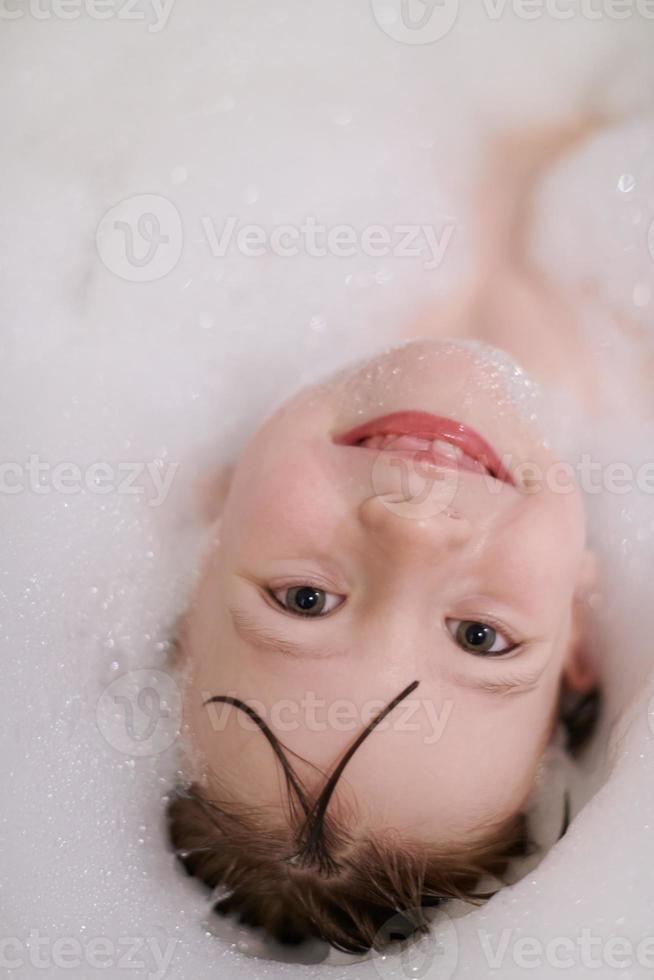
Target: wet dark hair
<point x="313" y="877"/>
<point x="579" y="715"/>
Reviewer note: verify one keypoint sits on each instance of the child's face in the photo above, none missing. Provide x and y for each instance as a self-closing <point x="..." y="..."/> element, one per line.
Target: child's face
<point x="390" y="591"/>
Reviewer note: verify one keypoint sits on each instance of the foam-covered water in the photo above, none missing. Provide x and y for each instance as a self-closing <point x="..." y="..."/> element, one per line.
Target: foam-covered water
<point x="271" y="114"/>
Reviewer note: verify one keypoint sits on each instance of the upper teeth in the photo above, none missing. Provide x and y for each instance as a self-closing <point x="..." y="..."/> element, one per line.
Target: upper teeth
<point x="448" y="448"/>
<point x="416" y="442"/>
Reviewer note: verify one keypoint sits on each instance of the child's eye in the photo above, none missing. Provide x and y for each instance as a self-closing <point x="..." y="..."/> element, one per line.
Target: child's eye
<point x="479" y="638"/>
<point x="306" y="600"/>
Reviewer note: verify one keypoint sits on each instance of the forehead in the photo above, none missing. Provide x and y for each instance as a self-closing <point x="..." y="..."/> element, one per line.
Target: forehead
<point x="439" y="765"/>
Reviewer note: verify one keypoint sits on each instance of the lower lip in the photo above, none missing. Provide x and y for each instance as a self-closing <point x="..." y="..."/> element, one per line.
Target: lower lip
<point x="479" y="455"/>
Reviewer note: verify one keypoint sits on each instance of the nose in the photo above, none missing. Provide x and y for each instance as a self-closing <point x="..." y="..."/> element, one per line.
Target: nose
<point x="398" y="527"/>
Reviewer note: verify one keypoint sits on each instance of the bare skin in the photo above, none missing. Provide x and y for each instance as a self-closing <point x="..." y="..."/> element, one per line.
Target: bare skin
<point x="510" y="304"/>
<point x="396" y="580"/>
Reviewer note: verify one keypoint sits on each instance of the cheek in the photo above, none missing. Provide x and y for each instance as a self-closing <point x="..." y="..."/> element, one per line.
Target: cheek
<point x="275" y="495"/>
<point x="561" y="520"/>
<point x="540" y="555"/>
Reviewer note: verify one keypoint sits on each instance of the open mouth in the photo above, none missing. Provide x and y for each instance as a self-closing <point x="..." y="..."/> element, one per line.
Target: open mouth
<point x="432" y="438"/>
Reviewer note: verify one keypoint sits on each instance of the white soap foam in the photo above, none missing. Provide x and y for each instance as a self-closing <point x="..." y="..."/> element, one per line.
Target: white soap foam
<point x="272" y="114"/>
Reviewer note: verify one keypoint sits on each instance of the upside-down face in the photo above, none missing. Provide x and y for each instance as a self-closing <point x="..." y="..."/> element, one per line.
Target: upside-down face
<point x="381" y="528"/>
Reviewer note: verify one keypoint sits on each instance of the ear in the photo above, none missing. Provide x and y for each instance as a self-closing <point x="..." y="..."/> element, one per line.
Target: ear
<point x="580" y="669"/>
<point x="212" y="492"/>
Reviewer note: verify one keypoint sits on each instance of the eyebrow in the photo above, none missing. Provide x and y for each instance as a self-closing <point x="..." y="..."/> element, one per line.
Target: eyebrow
<point x="269" y="639"/>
